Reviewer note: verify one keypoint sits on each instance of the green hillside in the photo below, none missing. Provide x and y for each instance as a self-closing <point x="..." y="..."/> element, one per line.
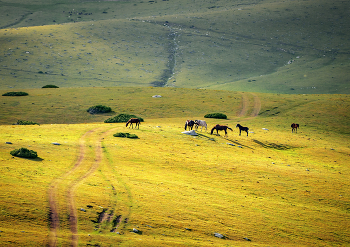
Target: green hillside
<point x="265" y="46"/>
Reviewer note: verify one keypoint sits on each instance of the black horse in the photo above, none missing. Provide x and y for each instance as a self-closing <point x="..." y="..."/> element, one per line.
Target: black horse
<point x="294" y="127"/>
<point x="241" y="128"/>
<point x="190" y="124"/>
<point x="220" y="127"/>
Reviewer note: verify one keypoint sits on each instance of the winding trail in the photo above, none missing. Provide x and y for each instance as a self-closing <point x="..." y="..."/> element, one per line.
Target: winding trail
<point x="73" y="218"/>
<point x="86" y="165"/>
<point x="246" y="105"/>
<point x="53" y="201"/>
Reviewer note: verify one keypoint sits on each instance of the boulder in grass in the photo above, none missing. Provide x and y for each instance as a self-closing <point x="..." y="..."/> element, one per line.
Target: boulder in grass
<point x="191" y="133"/>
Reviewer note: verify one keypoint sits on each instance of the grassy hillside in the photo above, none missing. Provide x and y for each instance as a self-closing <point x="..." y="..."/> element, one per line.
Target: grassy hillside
<point x="266" y="46"/>
<point x="272" y="187"/>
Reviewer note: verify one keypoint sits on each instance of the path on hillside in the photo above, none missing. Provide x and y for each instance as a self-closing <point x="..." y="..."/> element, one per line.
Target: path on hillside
<point x="90" y="165"/>
<point x="246" y="106"/>
<point x="53" y="201"/>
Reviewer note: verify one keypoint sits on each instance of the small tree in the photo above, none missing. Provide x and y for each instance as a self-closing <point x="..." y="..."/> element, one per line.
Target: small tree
<point x="15" y="94"/>
<point x="24" y="153"/>
<point x="99" y="109"/>
<point x="122" y="118"/>
<point x="24" y="122"/>
<point x="50" y="86"/>
<point x="127" y="135"/>
<point x="216" y="115"/>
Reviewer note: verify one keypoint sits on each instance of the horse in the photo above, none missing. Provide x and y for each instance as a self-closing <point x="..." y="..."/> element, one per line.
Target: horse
<point x="133" y="121"/>
<point x="241" y="128"/>
<point x="220" y="127"/>
<point x="294" y="127"/>
<point x="190" y="124"/>
<point x="200" y="123"/>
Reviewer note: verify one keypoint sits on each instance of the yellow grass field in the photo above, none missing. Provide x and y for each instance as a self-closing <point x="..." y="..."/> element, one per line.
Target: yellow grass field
<point x="271" y="188"/>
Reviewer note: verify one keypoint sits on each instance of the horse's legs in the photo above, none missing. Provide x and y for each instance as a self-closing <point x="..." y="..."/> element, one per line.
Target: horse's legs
<point x="239" y="131"/>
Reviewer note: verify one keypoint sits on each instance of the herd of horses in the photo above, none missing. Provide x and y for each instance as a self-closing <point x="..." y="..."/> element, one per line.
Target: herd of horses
<point x="190" y="124"/>
<point x="196" y="123"/>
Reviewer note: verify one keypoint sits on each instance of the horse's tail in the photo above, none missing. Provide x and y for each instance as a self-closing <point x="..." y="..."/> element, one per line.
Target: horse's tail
<point x="230" y="128"/>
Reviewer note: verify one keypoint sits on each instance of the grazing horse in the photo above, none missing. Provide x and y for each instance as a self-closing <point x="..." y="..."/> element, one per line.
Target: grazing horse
<point x="201" y="123"/>
<point x="220" y="127"/>
<point x="241" y="128"/>
<point x="294" y="127"/>
<point x="133" y="121"/>
<point x="190" y="124"/>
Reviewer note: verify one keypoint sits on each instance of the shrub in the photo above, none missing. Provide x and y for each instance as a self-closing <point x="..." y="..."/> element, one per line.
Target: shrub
<point x="99" y="109"/>
<point x="24" y="153"/>
<point x="216" y="115"/>
<point x="127" y="135"/>
<point x="50" y="86"/>
<point x="121" y="118"/>
<point x="24" y="122"/>
<point x="15" y="94"/>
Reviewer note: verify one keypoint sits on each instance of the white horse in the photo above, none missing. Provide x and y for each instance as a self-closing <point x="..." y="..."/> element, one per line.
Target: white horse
<point x="201" y="123"/>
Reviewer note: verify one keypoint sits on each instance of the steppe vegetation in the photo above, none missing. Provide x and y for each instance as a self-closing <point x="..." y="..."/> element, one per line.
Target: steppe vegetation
<point x="263" y="64"/>
<point x="264" y="46"/>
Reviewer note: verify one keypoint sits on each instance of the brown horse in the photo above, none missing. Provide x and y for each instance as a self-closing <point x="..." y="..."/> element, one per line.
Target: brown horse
<point x="133" y="121"/>
<point x="294" y="127"/>
<point x="220" y="127"/>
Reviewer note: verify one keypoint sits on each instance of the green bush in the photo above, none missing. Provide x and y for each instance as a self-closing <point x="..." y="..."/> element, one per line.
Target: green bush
<point x="24" y="153"/>
<point x="121" y="118"/>
<point x="216" y="115"/>
<point x="127" y="135"/>
<point x="50" y="86"/>
<point x="99" y="109"/>
<point x="24" y="122"/>
<point x="15" y="94"/>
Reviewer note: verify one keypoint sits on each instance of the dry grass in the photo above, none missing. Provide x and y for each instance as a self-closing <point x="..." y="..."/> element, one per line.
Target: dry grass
<point x="277" y="188"/>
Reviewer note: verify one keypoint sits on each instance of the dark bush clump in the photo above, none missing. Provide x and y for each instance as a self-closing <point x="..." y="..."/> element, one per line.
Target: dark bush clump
<point x="216" y="115"/>
<point x="127" y="135"/>
<point x="99" y="109"/>
<point x="24" y="122"/>
<point x="24" y="153"/>
<point x="50" y="86"/>
<point x="122" y="118"/>
<point x="15" y="94"/>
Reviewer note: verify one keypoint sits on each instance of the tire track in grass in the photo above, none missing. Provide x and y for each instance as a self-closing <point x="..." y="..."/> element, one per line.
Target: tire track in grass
<point x="52" y="193"/>
<point x="107" y="170"/>
<point x="257" y="105"/>
<point x="246" y="106"/>
<point x="121" y="219"/>
<point x="73" y="216"/>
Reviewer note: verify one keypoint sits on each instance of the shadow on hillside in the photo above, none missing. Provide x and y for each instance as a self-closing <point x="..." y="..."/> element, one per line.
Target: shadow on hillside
<point x="226" y="138"/>
<point x="35" y="159"/>
<point x="273" y="145"/>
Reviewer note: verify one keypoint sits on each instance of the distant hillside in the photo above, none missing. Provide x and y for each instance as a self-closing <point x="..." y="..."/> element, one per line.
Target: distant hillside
<point x="256" y="46"/>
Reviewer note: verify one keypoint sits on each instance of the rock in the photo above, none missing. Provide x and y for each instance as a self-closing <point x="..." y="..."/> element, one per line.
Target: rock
<point x="56" y="143"/>
<point x="265" y="129"/>
<point x="82" y="210"/>
<point x="191" y="133"/>
<point x="156" y="96"/>
<point x="218" y="235"/>
<point x="230" y="144"/>
<point x="247" y="239"/>
<point x="8" y="142"/>
<point x="136" y="231"/>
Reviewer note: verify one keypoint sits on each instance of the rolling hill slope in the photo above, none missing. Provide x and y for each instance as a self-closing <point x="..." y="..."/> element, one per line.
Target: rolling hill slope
<point x="263" y="46"/>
